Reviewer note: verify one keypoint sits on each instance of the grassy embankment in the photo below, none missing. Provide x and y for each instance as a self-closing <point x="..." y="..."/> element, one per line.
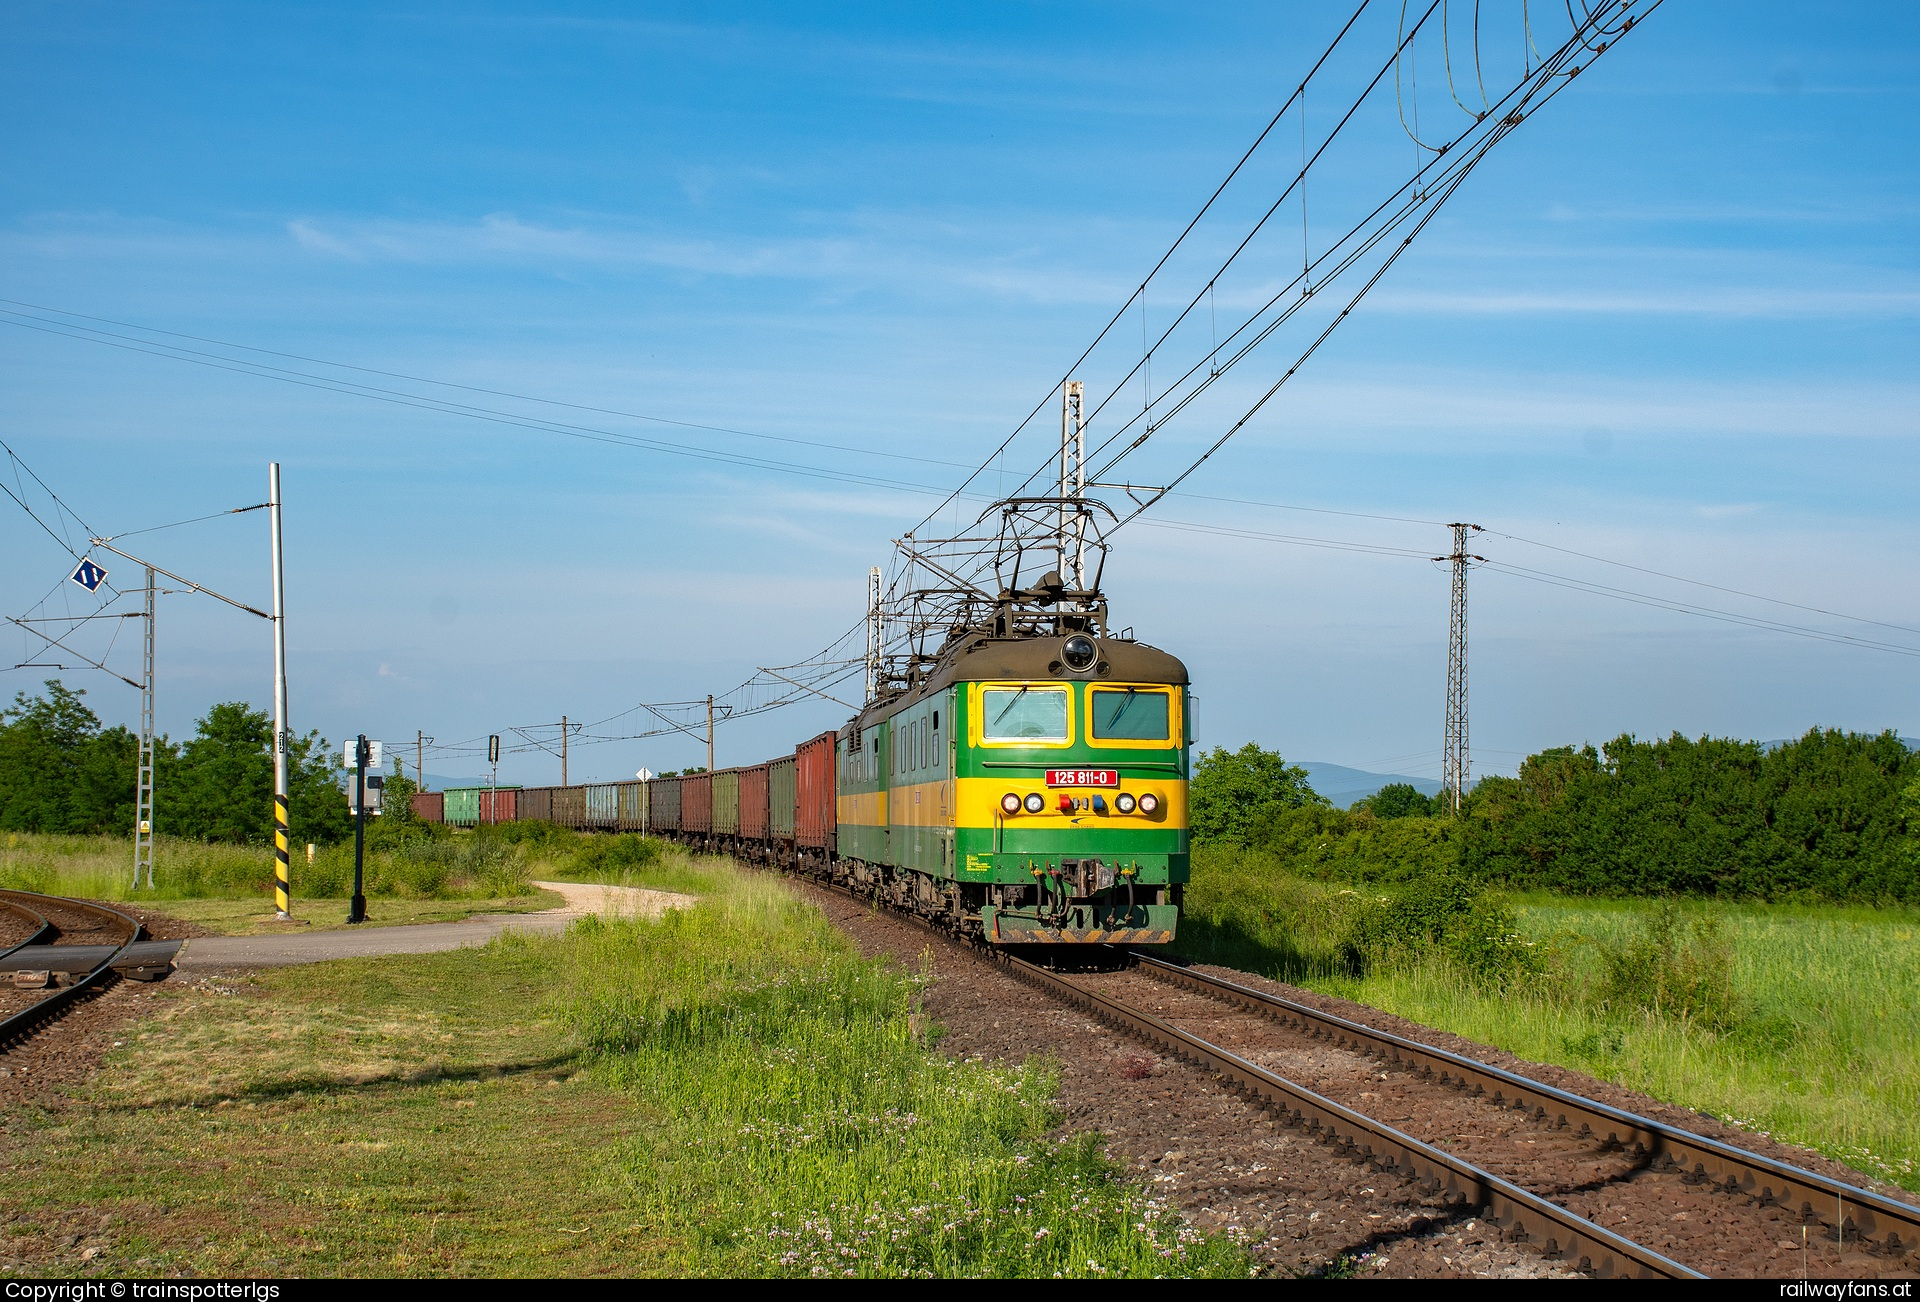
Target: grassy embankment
<point x="229" y="888"/>
<point x="1802" y="1021"/>
<point x="729" y="1090"/>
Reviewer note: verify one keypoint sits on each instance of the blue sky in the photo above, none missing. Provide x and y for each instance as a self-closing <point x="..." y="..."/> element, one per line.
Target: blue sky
<point x="1670" y="321"/>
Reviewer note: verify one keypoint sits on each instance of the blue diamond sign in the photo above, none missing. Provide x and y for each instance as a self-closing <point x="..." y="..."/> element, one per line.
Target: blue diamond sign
<point x="89" y="575"/>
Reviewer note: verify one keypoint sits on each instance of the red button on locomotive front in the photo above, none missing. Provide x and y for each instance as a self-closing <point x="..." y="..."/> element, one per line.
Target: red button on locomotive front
<point x="1066" y="804"/>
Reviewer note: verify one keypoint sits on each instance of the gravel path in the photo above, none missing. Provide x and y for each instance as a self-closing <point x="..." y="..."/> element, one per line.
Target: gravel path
<point x="429" y="937"/>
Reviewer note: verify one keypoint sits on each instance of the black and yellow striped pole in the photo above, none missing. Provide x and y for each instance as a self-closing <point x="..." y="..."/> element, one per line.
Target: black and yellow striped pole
<point x="282" y="879"/>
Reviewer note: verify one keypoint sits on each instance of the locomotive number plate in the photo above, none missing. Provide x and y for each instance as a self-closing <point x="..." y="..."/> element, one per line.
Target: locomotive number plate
<point x="1083" y="777"/>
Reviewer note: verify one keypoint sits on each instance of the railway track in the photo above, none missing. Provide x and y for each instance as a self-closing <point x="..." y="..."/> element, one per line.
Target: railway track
<point x="1601" y="1162"/>
<point x="68" y="951"/>
<point x="1523" y="1216"/>
<point x="1844" y="1215"/>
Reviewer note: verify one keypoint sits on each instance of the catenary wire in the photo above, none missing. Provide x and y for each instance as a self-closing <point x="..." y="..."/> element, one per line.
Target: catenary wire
<point x="450" y="384"/>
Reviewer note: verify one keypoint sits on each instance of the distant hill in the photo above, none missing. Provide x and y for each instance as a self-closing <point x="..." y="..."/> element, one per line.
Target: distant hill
<point x="1342" y="786"/>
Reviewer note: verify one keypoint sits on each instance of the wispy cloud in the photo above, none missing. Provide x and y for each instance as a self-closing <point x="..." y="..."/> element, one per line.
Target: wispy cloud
<point x="1679" y="302"/>
<point x="1745" y="302"/>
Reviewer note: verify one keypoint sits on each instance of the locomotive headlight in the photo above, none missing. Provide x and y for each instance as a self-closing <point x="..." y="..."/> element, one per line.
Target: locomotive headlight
<point x="1149" y="803"/>
<point x="1079" y="652"/>
<point x="1124" y="802"/>
<point x="1035" y="802"/>
<point x="1010" y="803"/>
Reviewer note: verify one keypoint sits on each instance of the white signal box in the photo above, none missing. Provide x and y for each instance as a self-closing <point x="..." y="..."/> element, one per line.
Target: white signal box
<point x="373" y="754"/>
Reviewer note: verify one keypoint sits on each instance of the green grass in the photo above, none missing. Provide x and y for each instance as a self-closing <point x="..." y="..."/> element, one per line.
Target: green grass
<point x="1820" y="1045"/>
<point x="730" y="1091"/>
<point x="228" y="889"/>
<point x="417" y="1116"/>
<point x="808" y="1130"/>
<point x="629" y="860"/>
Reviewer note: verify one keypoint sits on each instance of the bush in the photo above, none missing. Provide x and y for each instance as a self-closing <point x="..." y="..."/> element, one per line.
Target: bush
<point x="1676" y="967"/>
<point x="1232" y="793"/>
<point x="1336" y="845"/>
<point x="1834" y="816"/>
<point x="1445" y="914"/>
<point x="1398" y="800"/>
<point x="616" y="854"/>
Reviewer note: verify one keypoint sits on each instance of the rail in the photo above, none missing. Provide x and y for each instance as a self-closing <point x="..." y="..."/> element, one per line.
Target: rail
<point x="1522" y="1216"/>
<point x="18" y="1026"/>
<point x="1847" y="1209"/>
<point x="43" y="928"/>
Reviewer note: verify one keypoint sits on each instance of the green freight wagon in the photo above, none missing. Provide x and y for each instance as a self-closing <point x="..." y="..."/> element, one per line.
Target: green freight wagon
<point x="463" y="806"/>
<point x="726" y="803"/>
<point x="780" y="799"/>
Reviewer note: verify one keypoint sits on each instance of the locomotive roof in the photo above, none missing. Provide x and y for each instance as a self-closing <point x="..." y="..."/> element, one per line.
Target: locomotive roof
<point x="984" y="659"/>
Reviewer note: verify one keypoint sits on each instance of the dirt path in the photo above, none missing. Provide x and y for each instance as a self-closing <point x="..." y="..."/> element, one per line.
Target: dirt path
<point x="430" y="937"/>
<point x="427" y="938"/>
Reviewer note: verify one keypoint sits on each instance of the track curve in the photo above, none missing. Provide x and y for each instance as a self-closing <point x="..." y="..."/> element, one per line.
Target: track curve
<point x="100" y="970"/>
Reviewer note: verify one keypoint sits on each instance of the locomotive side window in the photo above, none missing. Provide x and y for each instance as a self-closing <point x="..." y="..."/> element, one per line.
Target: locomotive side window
<point x="1024" y="714"/>
<point x="1131" y="714"/>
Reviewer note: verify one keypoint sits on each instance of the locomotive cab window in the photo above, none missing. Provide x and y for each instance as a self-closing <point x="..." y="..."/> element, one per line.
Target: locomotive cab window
<point x="1034" y="716"/>
<point x="1131" y="714"/>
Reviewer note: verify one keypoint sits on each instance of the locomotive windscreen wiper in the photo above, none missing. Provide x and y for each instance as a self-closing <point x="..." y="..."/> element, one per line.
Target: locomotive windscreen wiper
<point x="1010" y="704"/>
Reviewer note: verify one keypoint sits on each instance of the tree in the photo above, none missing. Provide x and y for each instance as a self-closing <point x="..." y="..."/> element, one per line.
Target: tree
<point x="396" y="797"/>
<point x="1234" y="792"/>
<point x="1397" y="800"/>
<point x="221" y="787"/>
<point x="317" y="807"/>
<point x="60" y="771"/>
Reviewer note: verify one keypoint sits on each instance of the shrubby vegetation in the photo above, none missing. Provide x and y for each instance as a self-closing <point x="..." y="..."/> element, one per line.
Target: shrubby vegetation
<point x="1832" y="816"/>
<point x="1820" y="817"/>
<point x="61" y="772"/>
<point x="1232" y="795"/>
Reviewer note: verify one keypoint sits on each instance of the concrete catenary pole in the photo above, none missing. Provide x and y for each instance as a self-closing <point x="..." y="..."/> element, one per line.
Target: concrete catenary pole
<point x="282" y="875"/>
<point x="709" y="734"/>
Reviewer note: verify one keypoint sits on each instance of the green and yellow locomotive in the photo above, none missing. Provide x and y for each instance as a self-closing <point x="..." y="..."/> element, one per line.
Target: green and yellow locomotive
<point x="1027" y="790"/>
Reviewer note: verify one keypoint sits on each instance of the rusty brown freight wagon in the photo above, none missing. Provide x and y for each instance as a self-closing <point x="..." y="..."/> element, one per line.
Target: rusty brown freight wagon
<point x="430" y="806"/>
<point x="498" y="805"/>
<point x="570" y="806"/>
<point x="814" y="813"/>
<point x="696" y="804"/>
<point x="753" y="803"/>
<point x="536" y="804"/>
